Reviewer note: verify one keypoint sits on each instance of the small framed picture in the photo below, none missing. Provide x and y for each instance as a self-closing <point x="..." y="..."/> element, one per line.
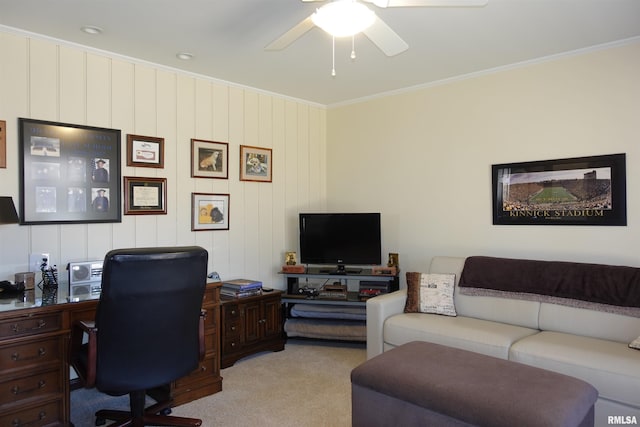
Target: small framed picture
<point x="209" y="159"/>
<point x="145" y="196"/>
<point x="145" y="151"/>
<point x="255" y="164"/>
<point x="290" y="258"/>
<point x="209" y="211"/>
<point x="3" y="144"/>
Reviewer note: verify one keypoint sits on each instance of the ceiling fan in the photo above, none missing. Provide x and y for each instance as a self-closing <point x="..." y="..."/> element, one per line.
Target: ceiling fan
<point x="378" y="31"/>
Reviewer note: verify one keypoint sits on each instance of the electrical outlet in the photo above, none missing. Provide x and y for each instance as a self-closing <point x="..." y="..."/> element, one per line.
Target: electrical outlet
<point x="36" y="259"/>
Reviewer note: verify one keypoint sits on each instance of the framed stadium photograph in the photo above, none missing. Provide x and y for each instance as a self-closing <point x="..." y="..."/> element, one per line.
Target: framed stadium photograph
<point x="574" y="191"/>
<point x="68" y="173"/>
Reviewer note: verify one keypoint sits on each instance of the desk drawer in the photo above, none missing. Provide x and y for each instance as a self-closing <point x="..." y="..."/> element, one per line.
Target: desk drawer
<point x="46" y="414"/>
<point x="30" y="387"/>
<point x="211" y="296"/>
<point x="211" y="320"/>
<point x="231" y="344"/>
<point x="205" y="372"/>
<point x="231" y="313"/>
<point x="29" y="354"/>
<point x="31" y="325"/>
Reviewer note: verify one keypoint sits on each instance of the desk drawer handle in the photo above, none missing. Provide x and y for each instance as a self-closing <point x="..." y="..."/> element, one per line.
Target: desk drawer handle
<point x="16" y="356"/>
<point x="16" y="422"/>
<point x="17" y="329"/>
<point x="16" y="390"/>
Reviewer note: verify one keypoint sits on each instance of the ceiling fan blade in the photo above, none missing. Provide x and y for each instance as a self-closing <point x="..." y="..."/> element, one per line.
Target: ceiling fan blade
<point x="385" y="38"/>
<point x="428" y="3"/>
<point x="292" y="35"/>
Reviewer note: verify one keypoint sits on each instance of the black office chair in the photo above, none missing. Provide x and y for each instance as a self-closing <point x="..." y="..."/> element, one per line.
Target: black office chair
<point x="147" y="331"/>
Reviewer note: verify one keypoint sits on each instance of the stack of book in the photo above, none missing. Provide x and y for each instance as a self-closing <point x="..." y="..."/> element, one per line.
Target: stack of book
<point x="239" y="288"/>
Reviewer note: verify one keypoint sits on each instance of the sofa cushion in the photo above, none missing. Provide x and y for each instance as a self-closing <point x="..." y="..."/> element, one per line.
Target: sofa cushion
<point x="430" y="293"/>
<point x="589" y="323"/>
<point x="481" y="336"/>
<point x="611" y="367"/>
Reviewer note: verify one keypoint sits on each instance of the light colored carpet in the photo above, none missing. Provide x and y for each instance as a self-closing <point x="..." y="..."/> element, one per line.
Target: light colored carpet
<point x="306" y="385"/>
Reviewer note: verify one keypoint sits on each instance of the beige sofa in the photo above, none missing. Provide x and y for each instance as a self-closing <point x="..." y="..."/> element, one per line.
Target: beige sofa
<point x="587" y="344"/>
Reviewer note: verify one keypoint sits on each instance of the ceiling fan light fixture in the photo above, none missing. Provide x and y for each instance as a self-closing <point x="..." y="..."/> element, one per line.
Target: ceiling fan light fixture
<point x="343" y="18"/>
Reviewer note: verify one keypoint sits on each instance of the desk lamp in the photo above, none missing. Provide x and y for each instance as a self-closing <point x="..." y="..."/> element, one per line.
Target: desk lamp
<point x="8" y="214"/>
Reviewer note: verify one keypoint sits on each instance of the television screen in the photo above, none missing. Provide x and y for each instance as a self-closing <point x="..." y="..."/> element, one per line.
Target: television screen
<point x="340" y="238"/>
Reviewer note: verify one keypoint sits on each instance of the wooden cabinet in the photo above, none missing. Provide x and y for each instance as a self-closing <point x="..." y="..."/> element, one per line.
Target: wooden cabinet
<point x="33" y="380"/>
<point x="251" y="325"/>
<point x="206" y="379"/>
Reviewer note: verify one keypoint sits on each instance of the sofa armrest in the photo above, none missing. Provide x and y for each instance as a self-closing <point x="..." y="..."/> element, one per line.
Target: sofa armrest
<point x="378" y="310"/>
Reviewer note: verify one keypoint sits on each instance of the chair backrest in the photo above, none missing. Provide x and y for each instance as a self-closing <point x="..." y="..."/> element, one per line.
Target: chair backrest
<point x="148" y="316"/>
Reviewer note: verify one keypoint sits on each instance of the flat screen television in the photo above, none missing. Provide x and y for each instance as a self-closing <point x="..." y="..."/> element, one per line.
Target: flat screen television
<point x="340" y="239"/>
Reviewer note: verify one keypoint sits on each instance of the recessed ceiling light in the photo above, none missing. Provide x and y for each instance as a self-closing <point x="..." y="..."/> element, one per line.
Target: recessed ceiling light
<point x="90" y="29"/>
<point x="184" y="56"/>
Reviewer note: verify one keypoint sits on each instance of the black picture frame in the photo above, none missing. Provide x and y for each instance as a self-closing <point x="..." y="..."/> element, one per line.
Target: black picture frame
<point x="573" y="191"/>
<point x="68" y="173"/>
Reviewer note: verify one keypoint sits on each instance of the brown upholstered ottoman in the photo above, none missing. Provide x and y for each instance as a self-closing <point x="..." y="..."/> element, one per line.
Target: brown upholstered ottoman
<point x="426" y="384"/>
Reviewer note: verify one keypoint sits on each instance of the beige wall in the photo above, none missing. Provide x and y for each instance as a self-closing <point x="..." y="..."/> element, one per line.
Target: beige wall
<point x="424" y="158"/>
<point x="46" y="80"/>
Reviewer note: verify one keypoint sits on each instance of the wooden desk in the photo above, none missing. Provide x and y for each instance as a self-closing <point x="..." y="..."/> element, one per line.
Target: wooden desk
<point x="34" y="359"/>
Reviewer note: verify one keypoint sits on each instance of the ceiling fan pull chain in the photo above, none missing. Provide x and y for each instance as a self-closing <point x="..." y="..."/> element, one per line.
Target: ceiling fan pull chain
<point x="333" y="51"/>
<point x="353" y="47"/>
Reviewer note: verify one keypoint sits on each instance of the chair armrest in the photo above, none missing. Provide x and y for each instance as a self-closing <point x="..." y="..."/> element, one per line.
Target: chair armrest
<point x="83" y="356"/>
<point x="203" y="349"/>
<point x="378" y="310"/>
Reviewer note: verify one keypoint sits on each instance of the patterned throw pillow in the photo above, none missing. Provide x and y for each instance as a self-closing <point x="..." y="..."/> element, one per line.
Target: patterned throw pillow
<point x="430" y="293"/>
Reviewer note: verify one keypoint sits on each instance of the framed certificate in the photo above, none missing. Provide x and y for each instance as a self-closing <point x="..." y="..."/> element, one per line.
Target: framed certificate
<point x="145" y="196"/>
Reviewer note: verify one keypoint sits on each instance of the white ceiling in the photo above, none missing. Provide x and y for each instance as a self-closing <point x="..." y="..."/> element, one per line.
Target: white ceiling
<point x="227" y="38"/>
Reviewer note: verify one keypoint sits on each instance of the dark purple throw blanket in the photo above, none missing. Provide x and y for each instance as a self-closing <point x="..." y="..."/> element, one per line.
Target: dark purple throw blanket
<point x="598" y="283"/>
